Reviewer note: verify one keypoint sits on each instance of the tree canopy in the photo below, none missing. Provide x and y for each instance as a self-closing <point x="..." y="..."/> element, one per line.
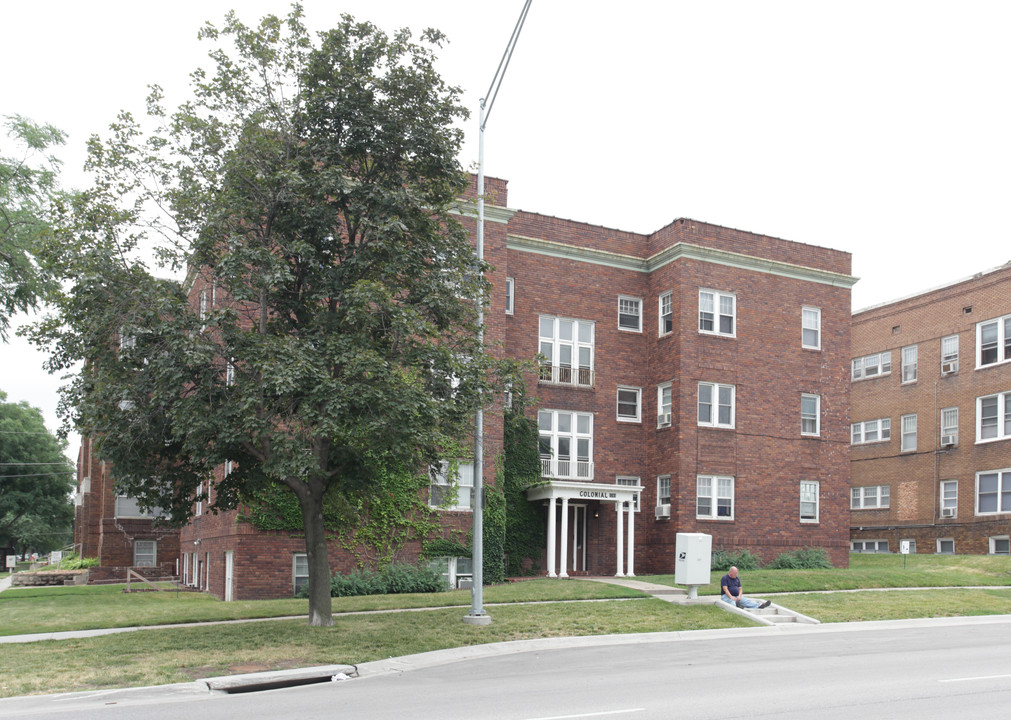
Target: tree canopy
<point x="35" y="480"/>
<point x="328" y="318"/>
<point x="29" y="198"/>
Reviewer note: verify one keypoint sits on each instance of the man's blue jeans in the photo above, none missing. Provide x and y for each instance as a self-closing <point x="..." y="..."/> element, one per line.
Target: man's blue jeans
<point x="745" y="601"/>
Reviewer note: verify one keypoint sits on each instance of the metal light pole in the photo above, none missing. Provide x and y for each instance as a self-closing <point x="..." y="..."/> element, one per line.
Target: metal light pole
<point x="477" y="614"/>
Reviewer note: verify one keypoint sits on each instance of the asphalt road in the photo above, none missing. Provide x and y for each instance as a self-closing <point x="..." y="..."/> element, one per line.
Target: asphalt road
<point x="944" y="668"/>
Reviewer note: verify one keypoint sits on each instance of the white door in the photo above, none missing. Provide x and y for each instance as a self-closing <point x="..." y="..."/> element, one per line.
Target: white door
<point x="229" y="566"/>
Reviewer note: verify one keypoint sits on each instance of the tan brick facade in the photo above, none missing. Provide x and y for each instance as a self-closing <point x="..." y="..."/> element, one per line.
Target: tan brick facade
<point x="914" y="476"/>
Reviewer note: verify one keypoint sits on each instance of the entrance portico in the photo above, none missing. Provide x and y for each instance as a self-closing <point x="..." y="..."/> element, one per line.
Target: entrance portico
<point x="579" y="494"/>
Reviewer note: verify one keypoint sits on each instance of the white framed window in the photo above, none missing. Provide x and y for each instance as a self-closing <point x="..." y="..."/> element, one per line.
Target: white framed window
<point x="299" y="572"/>
<point x="810" y="328"/>
<point x="993" y="492"/>
<point x="870" y="497"/>
<point x="666" y="313"/>
<point x="203" y="309"/>
<point x="664" y="404"/>
<point x="629" y="313"/>
<point x="663" y="490"/>
<point x="145" y="553"/>
<point x="949" y="354"/>
<point x="126" y="339"/>
<point x="871" y="366"/>
<point x="714" y="497"/>
<point x="871" y="431"/>
<point x="949" y="426"/>
<point x="566" y="444"/>
<point x="510" y="295"/>
<point x="230" y="372"/>
<point x="809" y="497"/>
<point x="1000" y="545"/>
<point x="633" y="481"/>
<point x="993" y="341"/>
<point x="945" y="546"/>
<point x="908" y="440"/>
<point x="458" y="572"/>
<point x="949" y="498"/>
<point x="717" y="313"/>
<point x="810" y="414"/>
<point x="993" y="417"/>
<point x="452" y="493"/>
<point x="910" y="355"/>
<point x="716" y="405"/>
<point x="629" y="404"/>
<point x="567" y="347"/>
<point x="869" y="546"/>
<point x="128" y="507"/>
<point x="229" y="466"/>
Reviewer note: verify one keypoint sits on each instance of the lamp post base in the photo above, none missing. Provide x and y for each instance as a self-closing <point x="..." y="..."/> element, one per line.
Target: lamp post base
<point x="477" y="619"/>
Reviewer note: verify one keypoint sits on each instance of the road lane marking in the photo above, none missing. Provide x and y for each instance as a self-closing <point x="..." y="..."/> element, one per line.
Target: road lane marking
<point x="980" y="677"/>
<point x="589" y="715"/>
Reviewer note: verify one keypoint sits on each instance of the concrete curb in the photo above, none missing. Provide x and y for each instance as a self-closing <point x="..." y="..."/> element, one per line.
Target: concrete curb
<point x="248" y="682"/>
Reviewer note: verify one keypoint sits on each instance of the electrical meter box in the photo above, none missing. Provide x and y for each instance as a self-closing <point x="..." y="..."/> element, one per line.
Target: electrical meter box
<point x="694" y="552"/>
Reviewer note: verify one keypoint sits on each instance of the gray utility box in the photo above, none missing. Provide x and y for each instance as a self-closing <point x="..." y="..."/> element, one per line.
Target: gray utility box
<point x="694" y="552"/>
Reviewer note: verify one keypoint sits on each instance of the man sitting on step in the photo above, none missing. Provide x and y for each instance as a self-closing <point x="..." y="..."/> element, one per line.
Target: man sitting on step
<point x="730" y="585"/>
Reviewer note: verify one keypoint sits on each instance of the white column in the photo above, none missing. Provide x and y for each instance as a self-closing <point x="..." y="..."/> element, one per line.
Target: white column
<point x="565" y="538"/>
<point x="621" y="539"/>
<point x="551" y="537"/>
<point x="631" y="538"/>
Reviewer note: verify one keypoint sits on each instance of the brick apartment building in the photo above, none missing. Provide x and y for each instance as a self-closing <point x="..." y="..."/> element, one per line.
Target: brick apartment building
<point x="694" y="380"/>
<point x="704" y="365"/>
<point x="113" y="528"/>
<point x="931" y="398"/>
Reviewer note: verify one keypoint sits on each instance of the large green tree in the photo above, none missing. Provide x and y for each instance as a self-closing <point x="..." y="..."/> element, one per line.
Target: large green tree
<point x="35" y="480"/>
<point x="29" y="197"/>
<point x="309" y="188"/>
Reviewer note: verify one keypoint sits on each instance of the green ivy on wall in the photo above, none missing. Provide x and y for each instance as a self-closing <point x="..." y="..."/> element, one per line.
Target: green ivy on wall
<point x="525" y="532"/>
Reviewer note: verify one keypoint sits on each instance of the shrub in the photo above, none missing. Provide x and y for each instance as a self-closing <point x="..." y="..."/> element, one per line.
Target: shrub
<point x="73" y="562"/>
<point x="391" y="580"/>
<point x="741" y="559"/>
<point x="809" y="558"/>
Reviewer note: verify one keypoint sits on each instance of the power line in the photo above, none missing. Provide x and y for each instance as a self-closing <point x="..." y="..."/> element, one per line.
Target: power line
<point x="66" y="472"/>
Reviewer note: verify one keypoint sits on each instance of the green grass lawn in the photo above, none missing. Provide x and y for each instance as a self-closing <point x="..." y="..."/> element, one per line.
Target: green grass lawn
<point x="872" y="571"/>
<point x="900" y="604"/>
<point x="149" y="657"/>
<point x="36" y="610"/>
<point x="179" y="654"/>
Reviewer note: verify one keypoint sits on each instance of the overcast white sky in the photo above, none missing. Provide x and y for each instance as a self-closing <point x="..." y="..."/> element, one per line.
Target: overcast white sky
<point x="881" y="128"/>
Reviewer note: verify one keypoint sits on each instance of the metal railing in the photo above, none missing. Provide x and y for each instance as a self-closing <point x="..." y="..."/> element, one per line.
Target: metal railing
<point x="566" y="375"/>
<point x="566" y="469"/>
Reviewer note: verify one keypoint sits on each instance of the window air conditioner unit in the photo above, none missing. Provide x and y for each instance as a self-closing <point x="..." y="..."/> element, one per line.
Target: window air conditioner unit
<point x="947" y="512"/>
<point x="948" y="368"/>
<point x="947" y="440"/>
<point x="663" y="420"/>
<point x="662" y="511"/>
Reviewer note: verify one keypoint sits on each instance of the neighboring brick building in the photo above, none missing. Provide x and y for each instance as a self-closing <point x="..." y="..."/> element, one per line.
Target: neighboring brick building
<point x="931" y="399"/>
<point x="113" y="528"/>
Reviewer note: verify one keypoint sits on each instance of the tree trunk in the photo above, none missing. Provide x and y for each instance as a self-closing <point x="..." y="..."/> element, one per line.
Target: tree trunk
<point x="320" y="603"/>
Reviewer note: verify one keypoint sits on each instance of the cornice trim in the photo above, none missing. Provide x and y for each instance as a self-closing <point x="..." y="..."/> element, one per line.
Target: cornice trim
<point x="492" y="213"/>
<point x="678" y="251"/>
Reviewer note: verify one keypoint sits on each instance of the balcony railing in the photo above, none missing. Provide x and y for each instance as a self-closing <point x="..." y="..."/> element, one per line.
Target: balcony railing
<point x="566" y="375"/>
<point x="565" y="469"/>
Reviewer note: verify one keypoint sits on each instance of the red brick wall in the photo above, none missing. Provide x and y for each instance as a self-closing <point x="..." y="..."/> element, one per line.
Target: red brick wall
<point x="765" y="452"/>
<point x="914" y="477"/>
